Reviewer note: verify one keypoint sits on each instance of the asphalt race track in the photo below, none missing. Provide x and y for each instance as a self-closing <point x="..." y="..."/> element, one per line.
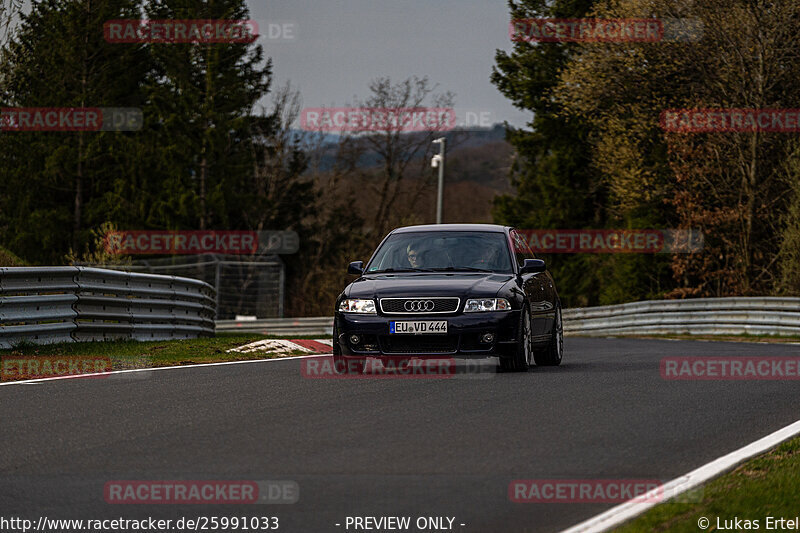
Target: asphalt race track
<point x="382" y="447"/>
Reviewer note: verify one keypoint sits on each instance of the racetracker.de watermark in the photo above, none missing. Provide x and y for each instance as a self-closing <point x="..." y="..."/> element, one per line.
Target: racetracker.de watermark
<point x="198" y="242"/>
<point x="680" y="490"/>
<point x="274" y="31"/>
<point x="611" y="241"/>
<point x="730" y="368"/>
<point x="602" y="30"/>
<point x="584" y="490"/>
<point x="73" y="119"/>
<point x="197" y="492"/>
<point x="51" y="119"/>
<point x="206" y="31"/>
<point x="181" y="242"/>
<point x="730" y="120"/>
<point x="328" y="368"/>
<point x="378" y="119"/>
<point x="395" y="367"/>
<point x="15" y="368"/>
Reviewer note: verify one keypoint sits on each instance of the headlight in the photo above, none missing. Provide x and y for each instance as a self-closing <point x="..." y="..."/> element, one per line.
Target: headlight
<point x="357" y="306"/>
<point x="487" y="304"/>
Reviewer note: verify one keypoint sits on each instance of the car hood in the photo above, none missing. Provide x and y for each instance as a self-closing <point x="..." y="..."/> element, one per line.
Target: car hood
<point x="418" y="284"/>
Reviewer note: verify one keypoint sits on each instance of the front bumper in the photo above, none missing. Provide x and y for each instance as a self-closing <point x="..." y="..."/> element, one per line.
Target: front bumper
<point x="463" y="338"/>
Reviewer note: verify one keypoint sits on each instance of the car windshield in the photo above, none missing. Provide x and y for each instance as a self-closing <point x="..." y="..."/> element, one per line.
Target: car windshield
<point x="442" y="251"/>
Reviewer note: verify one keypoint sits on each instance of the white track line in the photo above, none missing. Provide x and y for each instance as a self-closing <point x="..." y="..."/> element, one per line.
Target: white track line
<point x="106" y="374"/>
<point x="622" y="513"/>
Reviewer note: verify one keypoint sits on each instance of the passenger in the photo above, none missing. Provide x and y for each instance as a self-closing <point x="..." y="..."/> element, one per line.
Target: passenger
<point x="487" y="259"/>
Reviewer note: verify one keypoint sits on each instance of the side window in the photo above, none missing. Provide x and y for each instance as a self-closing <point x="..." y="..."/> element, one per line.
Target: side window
<point x="521" y="249"/>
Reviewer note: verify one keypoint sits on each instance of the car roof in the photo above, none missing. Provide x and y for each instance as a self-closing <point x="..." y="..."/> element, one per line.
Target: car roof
<point x="494" y="228"/>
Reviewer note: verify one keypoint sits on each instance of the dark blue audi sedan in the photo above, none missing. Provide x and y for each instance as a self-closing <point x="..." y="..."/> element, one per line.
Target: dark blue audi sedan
<point x="455" y="290"/>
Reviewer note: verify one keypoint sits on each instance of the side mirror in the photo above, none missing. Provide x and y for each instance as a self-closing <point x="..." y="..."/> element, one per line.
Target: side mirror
<point x="356" y="268"/>
<point x="533" y="266"/>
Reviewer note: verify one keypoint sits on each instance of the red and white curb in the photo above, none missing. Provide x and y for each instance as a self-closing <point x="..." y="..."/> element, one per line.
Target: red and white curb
<point x="281" y="346"/>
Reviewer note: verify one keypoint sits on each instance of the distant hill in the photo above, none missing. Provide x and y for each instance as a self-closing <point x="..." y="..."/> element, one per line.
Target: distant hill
<point x="475" y="174"/>
<point x="472" y="138"/>
<point x="477" y="171"/>
<point x="477" y="135"/>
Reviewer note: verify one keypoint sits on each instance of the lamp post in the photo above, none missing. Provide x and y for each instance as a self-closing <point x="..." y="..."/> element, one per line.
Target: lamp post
<point x="438" y="162"/>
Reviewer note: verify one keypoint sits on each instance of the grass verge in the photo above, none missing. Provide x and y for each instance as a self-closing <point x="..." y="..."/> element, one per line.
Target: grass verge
<point x="127" y="354"/>
<point x="767" y="485"/>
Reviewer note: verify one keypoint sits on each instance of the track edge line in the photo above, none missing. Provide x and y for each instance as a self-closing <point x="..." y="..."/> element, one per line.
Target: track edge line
<point x="152" y="369"/>
<point x="624" y="512"/>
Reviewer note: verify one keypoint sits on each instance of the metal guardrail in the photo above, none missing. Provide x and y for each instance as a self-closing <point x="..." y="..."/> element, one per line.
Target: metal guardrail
<point x="708" y="316"/>
<point x="705" y="316"/>
<point x="43" y="305"/>
<point x="279" y="326"/>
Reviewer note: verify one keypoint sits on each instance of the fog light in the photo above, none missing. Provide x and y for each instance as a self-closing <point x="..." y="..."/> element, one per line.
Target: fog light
<point x="355" y="339"/>
<point x="488" y="338"/>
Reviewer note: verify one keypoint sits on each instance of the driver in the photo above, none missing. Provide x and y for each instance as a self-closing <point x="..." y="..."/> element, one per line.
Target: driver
<point x="413" y="252"/>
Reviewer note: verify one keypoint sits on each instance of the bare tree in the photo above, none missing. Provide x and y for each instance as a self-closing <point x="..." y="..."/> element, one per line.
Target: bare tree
<point x="359" y="173"/>
<point x="280" y="196"/>
<point x="395" y="146"/>
<point x="730" y="184"/>
<point x="9" y="12"/>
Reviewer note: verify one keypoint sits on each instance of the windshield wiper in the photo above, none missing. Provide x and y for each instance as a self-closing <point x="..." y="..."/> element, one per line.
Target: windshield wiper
<point x="455" y="269"/>
<point x="398" y="270"/>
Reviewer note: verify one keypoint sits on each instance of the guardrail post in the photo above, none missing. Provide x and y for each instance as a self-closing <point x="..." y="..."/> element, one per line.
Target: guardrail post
<point x="281" y="289"/>
<point x="217" y="279"/>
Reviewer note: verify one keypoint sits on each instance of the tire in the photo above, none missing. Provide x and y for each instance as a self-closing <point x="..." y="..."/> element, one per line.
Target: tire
<point x="337" y="349"/>
<point x="345" y="365"/>
<point x="552" y="355"/>
<point x="521" y="360"/>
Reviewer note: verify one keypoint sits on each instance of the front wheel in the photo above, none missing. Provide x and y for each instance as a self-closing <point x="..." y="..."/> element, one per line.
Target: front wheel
<point x="551" y="356"/>
<point x="521" y="360"/>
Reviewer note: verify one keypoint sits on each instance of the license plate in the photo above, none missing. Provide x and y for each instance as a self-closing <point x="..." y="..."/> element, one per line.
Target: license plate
<point x="418" y="327"/>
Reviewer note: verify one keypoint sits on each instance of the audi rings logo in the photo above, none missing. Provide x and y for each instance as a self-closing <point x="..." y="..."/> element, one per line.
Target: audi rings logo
<point x="419" y="305"/>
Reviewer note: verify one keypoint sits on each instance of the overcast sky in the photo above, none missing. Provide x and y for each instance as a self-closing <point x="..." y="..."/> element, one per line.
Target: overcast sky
<point x="340" y="45"/>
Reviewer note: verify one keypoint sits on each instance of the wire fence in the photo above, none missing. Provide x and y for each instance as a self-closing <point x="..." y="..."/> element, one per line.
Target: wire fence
<point x="246" y="287"/>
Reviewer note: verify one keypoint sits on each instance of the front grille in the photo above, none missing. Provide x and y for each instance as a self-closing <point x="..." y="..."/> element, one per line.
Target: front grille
<point x="420" y="344"/>
<point x="420" y="305"/>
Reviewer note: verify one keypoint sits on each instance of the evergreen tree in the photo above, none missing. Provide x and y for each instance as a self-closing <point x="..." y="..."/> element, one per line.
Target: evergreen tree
<point x="556" y="184"/>
<point x="53" y="184"/>
<point x="555" y="188"/>
<point x="205" y="94"/>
